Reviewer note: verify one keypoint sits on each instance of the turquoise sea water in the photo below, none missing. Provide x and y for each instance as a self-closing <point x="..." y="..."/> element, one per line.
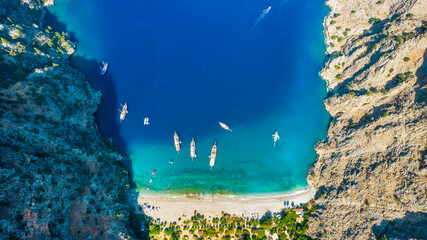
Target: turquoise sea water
<point x="187" y="65"/>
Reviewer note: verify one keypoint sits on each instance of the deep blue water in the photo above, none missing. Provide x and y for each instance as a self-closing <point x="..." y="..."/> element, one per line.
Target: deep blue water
<point x="189" y="64"/>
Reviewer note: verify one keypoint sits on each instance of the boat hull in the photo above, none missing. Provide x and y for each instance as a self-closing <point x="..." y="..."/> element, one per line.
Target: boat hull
<point x="177" y="142"/>
<point x="212" y="157"/>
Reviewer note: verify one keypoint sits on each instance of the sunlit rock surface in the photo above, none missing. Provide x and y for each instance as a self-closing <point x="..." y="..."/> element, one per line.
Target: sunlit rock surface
<point x="371" y="171"/>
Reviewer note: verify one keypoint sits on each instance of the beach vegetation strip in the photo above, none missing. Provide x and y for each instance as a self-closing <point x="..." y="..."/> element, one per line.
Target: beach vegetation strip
<point x="288" y="223"/>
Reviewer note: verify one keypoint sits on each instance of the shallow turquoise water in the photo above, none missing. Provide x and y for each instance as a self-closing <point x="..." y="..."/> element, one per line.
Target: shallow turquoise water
<point x="188" y="65"/>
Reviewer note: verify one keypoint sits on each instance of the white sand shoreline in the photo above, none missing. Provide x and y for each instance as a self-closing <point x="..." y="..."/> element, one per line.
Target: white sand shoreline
<point x="172" y="207"/>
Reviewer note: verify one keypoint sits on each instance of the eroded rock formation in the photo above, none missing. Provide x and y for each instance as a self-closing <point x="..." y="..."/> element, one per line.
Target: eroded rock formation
<point x="370" y="174"/>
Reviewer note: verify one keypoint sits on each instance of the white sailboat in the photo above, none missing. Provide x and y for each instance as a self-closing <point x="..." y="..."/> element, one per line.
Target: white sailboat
<point x="123" y="112"/>
<point x="193" y="149"/>
<point x="177" y="142"/>
<point x="212" y="156"/>
<point x="223" y="125"/>
<point x="276" y="137"/>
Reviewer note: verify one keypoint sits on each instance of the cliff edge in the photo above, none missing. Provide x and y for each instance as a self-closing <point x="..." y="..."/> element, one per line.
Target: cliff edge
<point x="370" y="174"/>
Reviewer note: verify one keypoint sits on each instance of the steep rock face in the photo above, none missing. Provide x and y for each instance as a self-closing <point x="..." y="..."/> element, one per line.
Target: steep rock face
<point x="59" y="178"/>
<point x="371" y="171"/>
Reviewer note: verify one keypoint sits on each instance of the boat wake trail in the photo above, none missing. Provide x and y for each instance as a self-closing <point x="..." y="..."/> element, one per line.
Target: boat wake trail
<point x="237" y="128"/>
<point x="263" y="14"/>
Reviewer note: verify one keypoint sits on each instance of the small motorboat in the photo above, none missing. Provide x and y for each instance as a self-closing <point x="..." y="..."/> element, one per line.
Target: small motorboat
<point x="146" y="121"/>
<point x="151" y="180"/>
<point x="148" y="188"/>
<point x="104" y="68"/>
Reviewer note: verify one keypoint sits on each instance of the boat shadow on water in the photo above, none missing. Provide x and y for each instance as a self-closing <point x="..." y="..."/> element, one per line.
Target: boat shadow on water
<point x="107" y="119"/>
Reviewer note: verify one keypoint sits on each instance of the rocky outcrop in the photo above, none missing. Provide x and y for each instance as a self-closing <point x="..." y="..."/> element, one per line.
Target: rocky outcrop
<point x="59" y="178"/>
<point x="370" y="174"/>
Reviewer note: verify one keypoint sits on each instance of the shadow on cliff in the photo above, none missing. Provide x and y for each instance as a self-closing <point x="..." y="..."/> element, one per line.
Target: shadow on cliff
<point x="421" y="74"/>
<point x="420" y="93"/>
<point x="411" y="226"/>
<point x="107" y="119"/>
<point x="343" y="87"/>
<point x="375" y="31"/>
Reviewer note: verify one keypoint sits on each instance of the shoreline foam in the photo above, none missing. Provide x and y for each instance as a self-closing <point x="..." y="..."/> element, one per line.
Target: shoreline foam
<point x="172" y="207"/>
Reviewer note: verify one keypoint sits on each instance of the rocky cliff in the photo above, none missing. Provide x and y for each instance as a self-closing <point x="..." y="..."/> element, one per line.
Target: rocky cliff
<point x="370" y="173"/>
<point x="59" y="177"/>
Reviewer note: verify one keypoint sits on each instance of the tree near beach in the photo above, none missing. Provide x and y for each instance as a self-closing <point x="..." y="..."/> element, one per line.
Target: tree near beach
<point x="286" y="223"/>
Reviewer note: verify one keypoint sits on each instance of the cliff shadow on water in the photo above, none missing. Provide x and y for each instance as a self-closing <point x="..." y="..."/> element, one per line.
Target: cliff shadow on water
<point x="107" y="119"/>
<point x="108" y="111"/>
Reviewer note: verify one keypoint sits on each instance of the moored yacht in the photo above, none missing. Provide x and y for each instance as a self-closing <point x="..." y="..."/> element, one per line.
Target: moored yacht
<point x="212" y="156"/>
<point x="276" y="137"/>
<point x="123" y="112"/>
<point x="177" y="142"/>
<point x="223" y="125"/>
<point x="193" y="149"/>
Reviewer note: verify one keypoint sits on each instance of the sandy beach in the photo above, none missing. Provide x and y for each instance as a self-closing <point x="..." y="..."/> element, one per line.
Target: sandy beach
<point x="170" y="208"/>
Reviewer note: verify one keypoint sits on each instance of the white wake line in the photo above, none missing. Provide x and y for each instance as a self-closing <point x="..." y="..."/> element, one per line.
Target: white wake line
<point x="263" y="14"/>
